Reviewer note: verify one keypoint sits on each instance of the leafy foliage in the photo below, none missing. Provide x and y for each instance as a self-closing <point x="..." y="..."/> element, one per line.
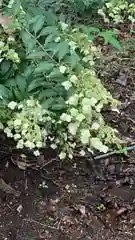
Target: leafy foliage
<point x="54" y="88"/>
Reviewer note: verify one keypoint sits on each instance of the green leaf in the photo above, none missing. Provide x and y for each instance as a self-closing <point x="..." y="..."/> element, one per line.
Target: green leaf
<point x="4" y="92"/>
<point x="16" y="6"/>
<point x="39" y="82"/>
<point x="47" y="93"/>
<point x="21" y="83"/>
<point x="28" y="41"/>
<point x="4" y="67"/>
<point x="91" y="38"/>
<point x="48" y="30"/>
<point x="115" y="43"/>
<point x="48" y="103"/>
<point x="37" y="26"/>
<point x="110" y="37"/>
<point x="62" y="49"/>
<point x="18" y="95"/>
<point x="44" y="67"/>
<point x="49" y="39"/>
<point x="34" y="55"/>
<point x="58" y="107"/>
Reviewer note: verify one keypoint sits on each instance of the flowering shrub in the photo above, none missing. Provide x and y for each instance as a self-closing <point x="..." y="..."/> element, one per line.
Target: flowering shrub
<point x="118" y="11"/>
<point x="57" y="98"/>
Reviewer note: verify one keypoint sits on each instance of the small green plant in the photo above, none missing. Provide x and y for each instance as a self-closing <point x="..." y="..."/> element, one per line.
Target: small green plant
<point x="55" y="96"/>
<point x="118" y="11"/>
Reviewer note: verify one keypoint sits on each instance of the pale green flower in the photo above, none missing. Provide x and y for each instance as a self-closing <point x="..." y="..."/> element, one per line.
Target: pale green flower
<point x="74" y="112"/>
<point x="99" y="107"/>
<point x="85" y="136"/>
<point x="62" y="155"/>
<point x="17" y="122"/>
<point x="82" y="153"/>
<point x="73" y="45"/>
<point x="36" y="153"/>
<point x="80" y="117"/>
<point x="93" y="49"/>
<point x="30" y="103"/>
<point x="20" y="144"/>
<point x="72" y="127"/>
<point x="57" y="39"/>
<point x="12" y="105"/>
<point x="62" y="69"/>
<point x="67" y="85"/>
<point x="86" y="109"/>
<point x="97" y="144"/>
<point x="73" y="100"/>
<point x="53" y="146"/>
<point x="17" y="136"/>
<point x="70" y="156"/>
<point x="8" y="132"/>
<point x="29" y="144"/>
<point x="64" y="26"/>
<point x="95" y="126"/>
<point x="73" y="79"/>
<point x="11" y="39"/>
<point x="39" y="144"/>
<point x="65" y="117"/>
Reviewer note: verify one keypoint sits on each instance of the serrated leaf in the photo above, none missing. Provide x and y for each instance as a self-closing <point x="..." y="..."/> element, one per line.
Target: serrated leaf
<point x="36" y="55"/>
<point x="48" y="103"/>
<point x="115" y="43"/>
<point x="21" y="83"/>
<point x="58" y="107"/>
<point x="37" y="26"/>
<point x="49" y="39"/>
<point x="62" y="50"/>
<point x="4" y="92"/>
<point x="35" y="84"/>
<point x="44" y="67"/>
<point x="48" y="30"/>
<point x="28" y="41"/>
<point x="4" y="67"/>
<point x="47" y="93"/>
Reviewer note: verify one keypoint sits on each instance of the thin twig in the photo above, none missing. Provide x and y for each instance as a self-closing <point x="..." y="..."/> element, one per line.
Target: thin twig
<point x="42" y="224"/>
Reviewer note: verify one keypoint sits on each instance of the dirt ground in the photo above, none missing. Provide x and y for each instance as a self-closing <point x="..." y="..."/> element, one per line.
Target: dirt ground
<point x="74" y="200"/>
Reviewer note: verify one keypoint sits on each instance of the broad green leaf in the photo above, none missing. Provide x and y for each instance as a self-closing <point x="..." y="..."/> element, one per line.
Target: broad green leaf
<point x="37" y="26"/>
<point x="48" y="30"/>
<point x="47" y="93"/>
<point x="115" y="43"/>
<point x="4" y="67"/>
<point x="62" y="49"/>
<point x="34" y="55"/>
<point x="48" y="103"/>
<point x="44" y="67"/>
<point x="110" y="37"/>
<point x="16" y="6"/>
<point x="4" y="92"/>
<point x="18" y="95"/>
<point x="58" y="106"/>
<point x="91" y="38"/>
<point x="35" y="84"/>
<point x="21" y="83"/>
<point x="28" y="41"/>
<point x="49" y="39"/>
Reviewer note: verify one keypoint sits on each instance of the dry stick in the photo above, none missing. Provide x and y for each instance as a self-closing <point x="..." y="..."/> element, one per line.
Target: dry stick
<point x="42" y="224"/>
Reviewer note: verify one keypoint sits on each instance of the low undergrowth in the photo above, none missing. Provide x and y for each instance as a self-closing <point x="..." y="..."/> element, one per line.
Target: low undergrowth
<point x="50" y="94"/>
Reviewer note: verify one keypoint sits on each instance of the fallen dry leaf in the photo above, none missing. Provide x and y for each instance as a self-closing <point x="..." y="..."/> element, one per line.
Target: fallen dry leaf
<point x="121" y="211"/>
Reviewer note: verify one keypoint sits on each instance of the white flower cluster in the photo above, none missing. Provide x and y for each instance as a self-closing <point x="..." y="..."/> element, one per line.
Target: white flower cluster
<point x="25" y="125"/>
<point x="7" y="52"/>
